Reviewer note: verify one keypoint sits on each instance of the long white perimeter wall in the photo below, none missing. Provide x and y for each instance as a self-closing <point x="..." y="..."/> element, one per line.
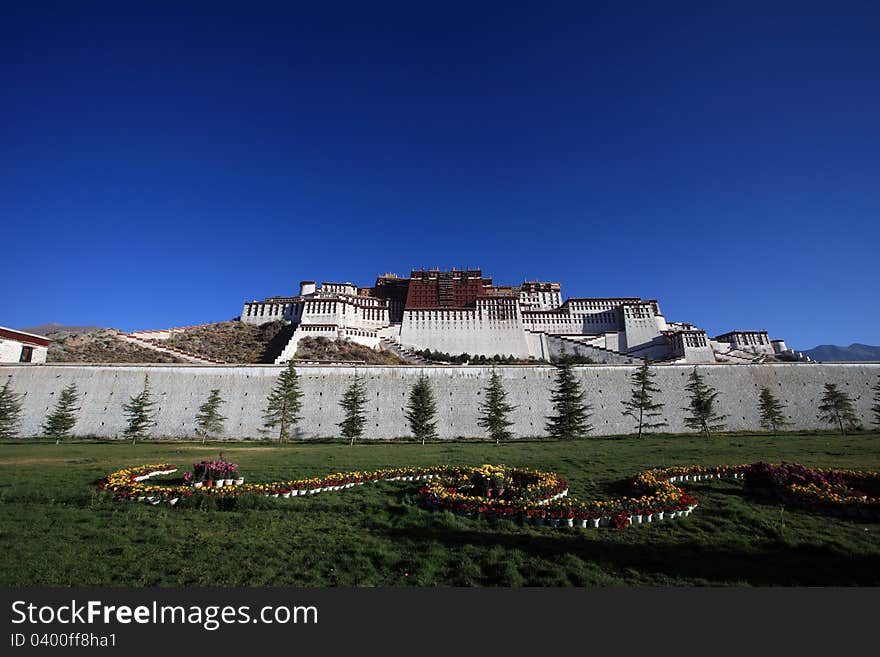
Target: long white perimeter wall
<point x="458" y="392"/>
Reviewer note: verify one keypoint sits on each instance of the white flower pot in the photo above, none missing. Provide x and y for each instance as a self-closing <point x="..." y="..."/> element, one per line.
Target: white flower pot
<point x="287" y="494"/>
<point x="218" y="483"/>
<point x="582" y="523"/>
<point x="198" y="484"/>
<point x="637" y="520"/>
<point x="649" y="518"/>
<point x="569" y="522"/>
<point x="239" y="481"/>
<point x="659" y="515"/>
<point x="173" y="501"/>
<point x="594" y="522"/>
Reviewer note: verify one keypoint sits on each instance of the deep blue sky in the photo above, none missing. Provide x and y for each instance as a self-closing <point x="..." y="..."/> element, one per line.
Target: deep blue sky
<point x="161" y="162"/>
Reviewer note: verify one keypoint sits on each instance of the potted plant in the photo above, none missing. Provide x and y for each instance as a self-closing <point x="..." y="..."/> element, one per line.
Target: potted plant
<point x="230" y="473"/>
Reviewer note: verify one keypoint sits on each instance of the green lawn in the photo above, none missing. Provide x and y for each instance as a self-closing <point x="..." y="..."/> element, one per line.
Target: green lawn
<point x="55" y="530"/>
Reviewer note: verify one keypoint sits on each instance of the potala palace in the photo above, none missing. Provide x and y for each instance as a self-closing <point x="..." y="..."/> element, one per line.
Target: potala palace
<point x="461" y="311"/>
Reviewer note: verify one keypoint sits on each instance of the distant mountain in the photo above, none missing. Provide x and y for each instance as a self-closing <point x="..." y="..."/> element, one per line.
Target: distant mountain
<point x="830" y="352"/>
<point x="55" y="327"/>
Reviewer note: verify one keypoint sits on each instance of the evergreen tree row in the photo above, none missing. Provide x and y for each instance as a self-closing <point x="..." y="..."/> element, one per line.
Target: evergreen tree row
<point x="570" y="418"/>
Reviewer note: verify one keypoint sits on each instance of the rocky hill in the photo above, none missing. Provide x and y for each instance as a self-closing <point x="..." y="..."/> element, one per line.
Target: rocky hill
<point x="324" y="349"/>
<point x="234" y="342"/>
<point x="231" y="342"/>
<point x="101" y="346"/>
<point x="55" y="327"/>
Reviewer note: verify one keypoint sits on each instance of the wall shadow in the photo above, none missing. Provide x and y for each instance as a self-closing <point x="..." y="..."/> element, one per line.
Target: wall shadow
<point x="276" y="344"/>
<point x="772" y="565"/>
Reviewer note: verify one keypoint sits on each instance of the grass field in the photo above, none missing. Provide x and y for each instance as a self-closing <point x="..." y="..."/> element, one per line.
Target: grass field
<point x="55" y="530"/>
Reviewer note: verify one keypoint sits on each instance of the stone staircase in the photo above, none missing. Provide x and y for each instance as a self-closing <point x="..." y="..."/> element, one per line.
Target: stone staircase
<point x="289" y="351"/>
<point x="599" y="354"/>
<point x="672" y="360"/>
<point x="387" y="340"/>
<point x="392" y="345"/>
<point x="738" y="356"/>
<point x="156" y="345"/>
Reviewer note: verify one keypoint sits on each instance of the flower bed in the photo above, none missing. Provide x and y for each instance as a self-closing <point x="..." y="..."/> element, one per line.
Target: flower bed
<point x="496" y="492"/>
<point x="840" y="492"/>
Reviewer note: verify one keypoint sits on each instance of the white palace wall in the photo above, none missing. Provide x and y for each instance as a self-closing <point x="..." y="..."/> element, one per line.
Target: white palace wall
<point x="458" y="391"/>
<point x="463" y="331"/>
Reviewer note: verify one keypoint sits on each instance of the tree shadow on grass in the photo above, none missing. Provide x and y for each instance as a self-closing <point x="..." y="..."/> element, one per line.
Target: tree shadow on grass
<point x="766" y="565"/>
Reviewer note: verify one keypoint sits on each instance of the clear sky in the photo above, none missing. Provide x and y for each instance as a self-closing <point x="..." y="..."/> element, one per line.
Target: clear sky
<point x="162" y="162"/>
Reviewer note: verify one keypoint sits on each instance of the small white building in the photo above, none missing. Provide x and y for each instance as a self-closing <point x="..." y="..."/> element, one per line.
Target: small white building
<point x="21" y="347"/>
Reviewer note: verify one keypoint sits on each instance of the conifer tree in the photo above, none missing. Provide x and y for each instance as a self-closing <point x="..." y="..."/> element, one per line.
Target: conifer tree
<point x="641" y="406"/>
<point x="572" y="414"/>
<point x="60" y="423"/>
<point x="703" y="416"/>
<point x="875" y="409"/>
<point x="772" y="417"/>
<point x="141" y="412"/>
<point x="353" y="402"/>
<point x="10" y="410"/>
<point x="495" y="410"/>
<point x="284" y="403"/>
<point x="209" y="421"/>
<point x="421" y="410"/>
<point x="837" y="408"/>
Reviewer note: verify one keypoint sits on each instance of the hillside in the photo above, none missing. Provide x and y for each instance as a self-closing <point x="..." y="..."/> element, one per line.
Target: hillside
<point x="234" y="342"/>
<point x="55" y="327"/>
<point x="101" y="346"/>
<point x="324" y="349"/>
<point x="854" y="352"/>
